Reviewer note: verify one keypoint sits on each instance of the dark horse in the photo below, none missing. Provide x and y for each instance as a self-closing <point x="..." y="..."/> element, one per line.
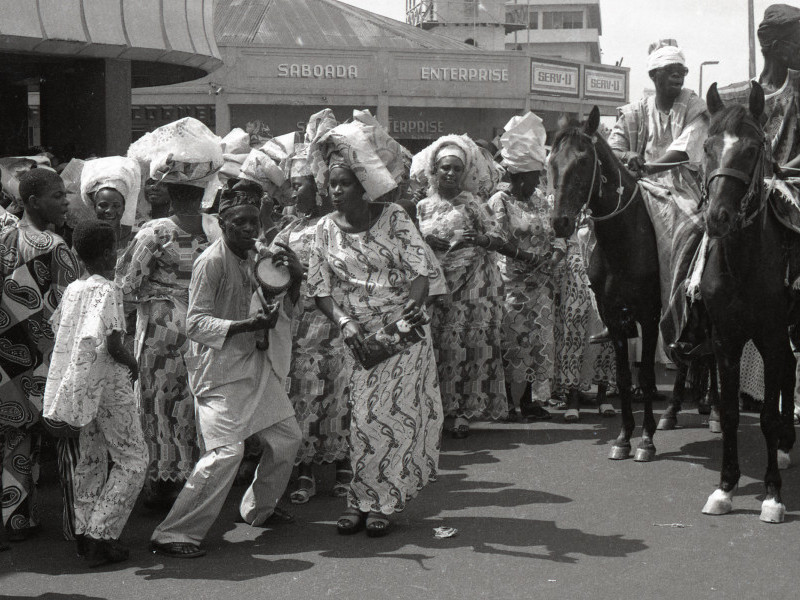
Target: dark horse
<point x="743" y="290"/>
<point x="624" y="266"/>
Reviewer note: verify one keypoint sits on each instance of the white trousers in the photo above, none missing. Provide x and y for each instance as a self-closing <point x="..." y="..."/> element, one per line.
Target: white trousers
<point x="201" y="500"/>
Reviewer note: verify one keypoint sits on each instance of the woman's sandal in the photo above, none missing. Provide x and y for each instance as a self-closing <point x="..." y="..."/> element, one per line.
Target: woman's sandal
<point x="177" y="549"/>
<point x="606" y="410"/>
<point x="303" y="494"/>
<point x="377" y="524"/>
<point x="572" y="415"/>
<point x="342" y="485"/>
<point x="351" y="521"/>
<point x="460" y="428"/>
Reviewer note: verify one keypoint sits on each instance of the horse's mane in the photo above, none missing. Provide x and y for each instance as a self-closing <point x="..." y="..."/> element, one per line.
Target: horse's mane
<point x="734" y="119"/>
<point x="573" y="129"/>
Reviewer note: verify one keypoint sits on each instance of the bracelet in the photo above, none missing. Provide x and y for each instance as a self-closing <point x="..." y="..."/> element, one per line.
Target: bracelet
<point x="516" y="253"/>
<point x="344" y="321"/>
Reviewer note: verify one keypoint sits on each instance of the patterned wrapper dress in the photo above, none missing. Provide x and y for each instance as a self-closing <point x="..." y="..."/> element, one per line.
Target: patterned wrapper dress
<point x="317" y="379"/>
<point x="579" y="364"/>
<point x="467" y="323"/>
<point x="35" y="268"/>
<point x="396" y="406"/>
<point x="528" y="350"/>
<point x="155" y="272"/>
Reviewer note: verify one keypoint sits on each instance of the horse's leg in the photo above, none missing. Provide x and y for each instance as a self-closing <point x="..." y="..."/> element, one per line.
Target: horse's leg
<point x="714" y="424"/>
<point x="669" y="419"/>
<point x="728" y="354"/>
<point x="772" y="349"/>
<point x="622" y="445"/>
<point x="646" y="451"/>
<point x="788" y="434"/>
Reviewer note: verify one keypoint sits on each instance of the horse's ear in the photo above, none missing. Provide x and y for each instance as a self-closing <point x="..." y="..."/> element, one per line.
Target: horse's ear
<point x="713" y="101"/>
<point x="756" y="100"/>
<point x="593" y="122"/>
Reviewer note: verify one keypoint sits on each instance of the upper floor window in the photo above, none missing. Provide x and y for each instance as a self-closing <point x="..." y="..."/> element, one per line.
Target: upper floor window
<point x="562" y="20"/>
<point x="522" y="15"/>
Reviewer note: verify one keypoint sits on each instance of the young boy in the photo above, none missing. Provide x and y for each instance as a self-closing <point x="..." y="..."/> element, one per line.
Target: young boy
<point x="89" y="385"/>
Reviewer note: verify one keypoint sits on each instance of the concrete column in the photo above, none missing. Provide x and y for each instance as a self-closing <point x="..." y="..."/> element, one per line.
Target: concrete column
<point x="383" y="110"/>
<point x="118" y="119"/>
<point x="223" y="115"/>
<point x="13" y="117"/>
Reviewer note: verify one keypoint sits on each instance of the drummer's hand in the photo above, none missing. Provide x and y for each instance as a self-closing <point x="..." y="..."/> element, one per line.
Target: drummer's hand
<point x="354" y="339"/>
<point x="437" y="243"/>
<point x="263" y="321"/>
<point x="414" y="314"/>
<point x="287" y="258"/>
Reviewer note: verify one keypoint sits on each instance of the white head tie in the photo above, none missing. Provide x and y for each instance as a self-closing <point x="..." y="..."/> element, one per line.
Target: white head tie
<point x="451" y="150"/>
<point x="665" y="56"/>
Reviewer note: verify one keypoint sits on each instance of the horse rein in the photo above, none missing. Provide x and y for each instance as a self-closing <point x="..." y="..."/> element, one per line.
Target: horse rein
<point x="586" y="211"/>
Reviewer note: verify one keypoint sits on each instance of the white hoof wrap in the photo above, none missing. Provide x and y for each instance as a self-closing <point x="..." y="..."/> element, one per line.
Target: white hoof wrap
<point x="784" y="460"/>
<point x="772" y="511"/>
<point x="718" y="503"/>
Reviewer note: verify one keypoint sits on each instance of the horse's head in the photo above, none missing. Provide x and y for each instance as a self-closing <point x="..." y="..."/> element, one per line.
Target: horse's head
<point x="574" y="172"/>
<point x="736" y="156"/>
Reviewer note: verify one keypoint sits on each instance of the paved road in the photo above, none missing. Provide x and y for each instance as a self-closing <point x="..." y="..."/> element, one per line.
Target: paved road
<point x="540" y="512"/>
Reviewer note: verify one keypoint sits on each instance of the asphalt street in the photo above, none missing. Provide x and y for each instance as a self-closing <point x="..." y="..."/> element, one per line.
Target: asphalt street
<point x="540" y="513"/>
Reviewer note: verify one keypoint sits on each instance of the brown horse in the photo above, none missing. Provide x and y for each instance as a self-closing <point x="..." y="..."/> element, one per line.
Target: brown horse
<point x="624" y="266"/>
<point x="743" y="290"/>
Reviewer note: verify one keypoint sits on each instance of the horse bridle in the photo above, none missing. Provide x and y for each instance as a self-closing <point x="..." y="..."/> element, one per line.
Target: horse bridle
<point x="754" y="183"/>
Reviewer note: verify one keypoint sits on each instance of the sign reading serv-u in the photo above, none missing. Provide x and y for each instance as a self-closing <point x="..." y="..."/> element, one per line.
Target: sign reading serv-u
<point x="555" y="77"/>
<point x="603" y="84"/>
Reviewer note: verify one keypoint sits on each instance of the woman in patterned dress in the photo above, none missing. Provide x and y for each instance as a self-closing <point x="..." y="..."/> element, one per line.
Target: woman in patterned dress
<point x="579" y="363"/>
<point x="369" y="267"/>
<point x="317" y="379"/>
<point x="467" y="323"/>
<point x="154" y="272"/>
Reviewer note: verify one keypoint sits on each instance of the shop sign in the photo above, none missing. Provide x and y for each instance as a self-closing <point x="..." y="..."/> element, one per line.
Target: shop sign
<point x="410" y="128"/>
<point x="463" y="74"/>
<point x="604" y="84"/>
<point x="167" y="113"/>
<point x="553" y="77"/>
<point x="317" y="71"/>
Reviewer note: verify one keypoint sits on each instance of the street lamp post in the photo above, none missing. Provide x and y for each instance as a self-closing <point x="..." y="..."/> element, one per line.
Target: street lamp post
<point x="703" y="64"/>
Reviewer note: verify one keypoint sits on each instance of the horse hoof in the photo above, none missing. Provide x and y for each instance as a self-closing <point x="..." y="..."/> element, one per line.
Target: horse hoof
<point x="714" y="426"/>
<point x="667" y="423"/>
<point x="619" y="452"/>
<point x="718" y="503"/>
<point x="644" y="454"/>
<point x="784" y="460"/>
<point x="772" y="511"/>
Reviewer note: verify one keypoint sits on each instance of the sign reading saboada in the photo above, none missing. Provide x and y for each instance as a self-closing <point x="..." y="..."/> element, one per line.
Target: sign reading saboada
<point x="307" y="71"/>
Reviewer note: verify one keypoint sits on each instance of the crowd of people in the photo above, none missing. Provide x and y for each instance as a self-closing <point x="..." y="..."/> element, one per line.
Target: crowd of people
<point x="140" y="336"/>
<point x="210" y="309"/>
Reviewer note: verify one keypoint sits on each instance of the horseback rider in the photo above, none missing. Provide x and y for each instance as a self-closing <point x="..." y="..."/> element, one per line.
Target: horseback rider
<point x="660" y="139"/>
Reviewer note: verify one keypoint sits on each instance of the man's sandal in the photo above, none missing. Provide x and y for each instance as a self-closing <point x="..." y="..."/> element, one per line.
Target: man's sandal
<point x="377" y="524"/>
<point x="606" y="410"/>
<point x="351" y="521"/>
<point x="460" y="428"/>
<point x="343" y="479"/>
<point x="177" y="549"/>
<point x="303" y="493"/>
<point x="572" y="415"/>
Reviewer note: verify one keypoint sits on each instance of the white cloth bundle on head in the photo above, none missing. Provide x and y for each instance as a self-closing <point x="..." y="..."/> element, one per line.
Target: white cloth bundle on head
<point x="298" y="162"/>
<point x="261" y="168"/>
<point x="481" y="173"/>
<point x="522" y="144"/>
<point x="184" y="151"/>
<point x="236" y="141"/>
<point x="119" y="173"/>
<point x="366" y="148"/>
<point x="663" y="54"/>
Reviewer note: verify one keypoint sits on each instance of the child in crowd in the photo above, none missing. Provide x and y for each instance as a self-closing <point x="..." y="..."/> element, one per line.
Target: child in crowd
<point x="89" y="385"/>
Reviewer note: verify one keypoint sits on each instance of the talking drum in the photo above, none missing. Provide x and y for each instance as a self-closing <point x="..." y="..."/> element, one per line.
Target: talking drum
<point x="273" y="279"/>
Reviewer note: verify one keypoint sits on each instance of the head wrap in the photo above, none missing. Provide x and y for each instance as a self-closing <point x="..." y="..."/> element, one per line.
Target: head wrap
<point x="260" y="168"/>
<point x="118" y="173"/>
<point x="450" y="150"/>
<point x="481" y="173"/>
<point x="230" y="200"/>
<point x="522" y="144"/>
<point x="298" y="162"/>
<point x="777" y="23"/>
<point x="184" y="151"/>
<point x="363" y="146"/>
<point x="664" y="53"/>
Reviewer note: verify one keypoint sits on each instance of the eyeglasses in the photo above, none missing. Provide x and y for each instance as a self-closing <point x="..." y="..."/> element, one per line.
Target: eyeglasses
<point x="675" y="70"/>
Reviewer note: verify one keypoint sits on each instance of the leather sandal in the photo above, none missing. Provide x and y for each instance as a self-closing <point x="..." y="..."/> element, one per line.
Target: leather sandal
<point x="460" y="428"/>
<point x="343" y="479"/>
<point x="572" y="415"/>
<point x="303" y="493"/>
<point x="377" y="524"/>
<point x="351" y="521"/>
<point x="606" y="410"/>
<point x="177" y="549"/>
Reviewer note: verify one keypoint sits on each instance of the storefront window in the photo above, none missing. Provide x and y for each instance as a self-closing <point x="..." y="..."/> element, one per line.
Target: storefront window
<point x="563" y="20"/>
